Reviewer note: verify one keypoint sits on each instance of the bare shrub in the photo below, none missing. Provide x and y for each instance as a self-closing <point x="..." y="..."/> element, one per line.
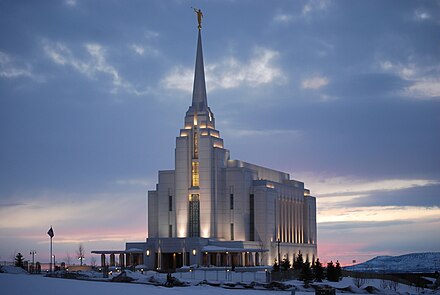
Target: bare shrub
<point x="359" y="279"/>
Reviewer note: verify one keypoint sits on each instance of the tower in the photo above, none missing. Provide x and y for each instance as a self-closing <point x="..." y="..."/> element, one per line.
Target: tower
<point x="200" y="156"/>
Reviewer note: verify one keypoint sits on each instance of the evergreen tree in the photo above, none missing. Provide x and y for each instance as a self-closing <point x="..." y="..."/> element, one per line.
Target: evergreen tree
<point x="318" y="271"/>
<point x="298" y="264"/>
<point x="306" y="274"/>
<point x="331" y="274"/>
<point x="285" y="264"/>
<point x="276" y="267"/>
<point x="338" y="271"/>
<point x="19" y="260"/>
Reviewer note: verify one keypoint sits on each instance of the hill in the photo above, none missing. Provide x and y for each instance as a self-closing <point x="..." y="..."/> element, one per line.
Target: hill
<point x="414" y="262"/>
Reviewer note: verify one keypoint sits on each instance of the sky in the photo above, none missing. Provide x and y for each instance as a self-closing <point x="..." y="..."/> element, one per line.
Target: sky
<point x="343" y="95"/>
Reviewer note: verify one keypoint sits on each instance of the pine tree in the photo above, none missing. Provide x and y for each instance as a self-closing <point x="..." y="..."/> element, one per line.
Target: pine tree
<point x="338" y="271"/>
<point x="19" y="260"/>
<point x="298" y="264"/>
<point x="306" y="274"/>
<point x="331" y="274"/>
<point x="276" y="267"/>
<point x="285" y="264"/>
<point x="318" y="271"/>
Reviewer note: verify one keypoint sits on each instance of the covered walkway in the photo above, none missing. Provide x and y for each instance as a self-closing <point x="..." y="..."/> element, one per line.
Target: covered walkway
<point x="126" y="258"/>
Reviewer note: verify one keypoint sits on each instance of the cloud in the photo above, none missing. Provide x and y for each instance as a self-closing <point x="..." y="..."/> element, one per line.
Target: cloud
<point x="145" y="50"/>
<point x="360" y="224"/>
<point x="421" y="14"/>
<point x="312" y="5"/>
<point x="11" y="68"/>
<point x="70" y="3"/>
<point x="138" y="49"/>
<point x="424" y="82"/>
<point x="261" y="133"/>
<point x="12" y="204"/>
<point x="347" y="193"/>
<point x="340" y="186"/>
<point x="92" y="67"/>
<point x="231" y="73"/>
<point x="422" y="196"/>
<point x="283" y="18"/>
<point x="137" y="182"/>
<point x="315" y="82"/>
<point x="69" y="210"/>
<point x="151" y="34"/>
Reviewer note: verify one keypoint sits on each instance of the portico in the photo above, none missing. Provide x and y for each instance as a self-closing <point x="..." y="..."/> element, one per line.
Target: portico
<point x="126" y="258"/>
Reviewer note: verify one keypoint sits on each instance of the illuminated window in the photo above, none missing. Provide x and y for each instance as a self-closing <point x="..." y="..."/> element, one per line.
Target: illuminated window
<point x="194" y="215"/>
<point x="195" y="174"/>
<point x="196" y="144"/>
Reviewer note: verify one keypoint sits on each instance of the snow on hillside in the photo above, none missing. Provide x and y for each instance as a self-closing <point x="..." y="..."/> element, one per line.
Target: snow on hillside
<point x="415" y="262"/>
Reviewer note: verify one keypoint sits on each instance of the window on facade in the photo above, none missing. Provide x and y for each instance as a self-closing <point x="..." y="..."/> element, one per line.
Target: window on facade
<point x="196" y="144"/>
<point x="232" y="231"/>
<point x="251" y="218"/>
<point x="170" y="231"/>
<point x="231" y="201"/>
<point x="194" y="215"/>
<point x="195" y="174"/>
<point x="170" y="203"/>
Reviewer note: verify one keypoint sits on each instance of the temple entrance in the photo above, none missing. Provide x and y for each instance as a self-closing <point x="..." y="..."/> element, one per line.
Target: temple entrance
<point x="171" y="261"/>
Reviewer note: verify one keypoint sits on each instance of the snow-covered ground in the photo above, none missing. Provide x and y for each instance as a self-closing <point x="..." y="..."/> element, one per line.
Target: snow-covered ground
<point x="12" y="284"/>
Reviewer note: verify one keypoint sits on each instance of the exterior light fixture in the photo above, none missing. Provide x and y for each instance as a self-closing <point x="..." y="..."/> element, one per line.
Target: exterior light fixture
<point x="148" y="252"/>
<point x="194" y="251"/>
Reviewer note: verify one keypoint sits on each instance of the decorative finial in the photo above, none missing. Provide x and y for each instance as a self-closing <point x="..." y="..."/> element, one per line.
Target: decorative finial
<point x="199" y="16"/>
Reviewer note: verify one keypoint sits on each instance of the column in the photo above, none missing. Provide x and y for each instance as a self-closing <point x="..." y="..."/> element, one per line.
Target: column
<point x="112" y="259"/>
<point x="121" y="260"/>
<point x="102" y="260"/>
<point x="129" y="259"/>
<point x="296" y="222"/>
<point x="301" y="237"/>
<point x="289" y="225"/>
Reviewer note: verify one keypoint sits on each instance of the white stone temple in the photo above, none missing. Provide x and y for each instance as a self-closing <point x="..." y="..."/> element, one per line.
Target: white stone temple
<point x="214" y="211"/>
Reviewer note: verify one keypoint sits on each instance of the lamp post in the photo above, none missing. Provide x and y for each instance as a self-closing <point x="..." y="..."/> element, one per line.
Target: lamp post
<point x="227" y="259"/>
<point x="279" y="256"/>
<point x="33" y="252"/>
<point x="54" y="263"/>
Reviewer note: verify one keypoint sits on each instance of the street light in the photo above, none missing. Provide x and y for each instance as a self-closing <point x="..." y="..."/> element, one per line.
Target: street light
<point x="33" y="252"/>
<point x="279" y="256"/>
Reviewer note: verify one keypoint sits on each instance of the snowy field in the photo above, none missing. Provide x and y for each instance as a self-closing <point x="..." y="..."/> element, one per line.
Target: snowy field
<point x="15" y="284"/>
<point x="12" y="284"/>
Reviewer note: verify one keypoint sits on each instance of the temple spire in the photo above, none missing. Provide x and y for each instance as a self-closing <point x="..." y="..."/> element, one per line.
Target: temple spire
<point x="199" y="99"/>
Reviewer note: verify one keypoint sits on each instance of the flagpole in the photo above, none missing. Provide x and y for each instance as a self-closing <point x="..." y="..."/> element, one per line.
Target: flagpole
<point x="50" y="268"/>
<point x="50" y="233"/>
